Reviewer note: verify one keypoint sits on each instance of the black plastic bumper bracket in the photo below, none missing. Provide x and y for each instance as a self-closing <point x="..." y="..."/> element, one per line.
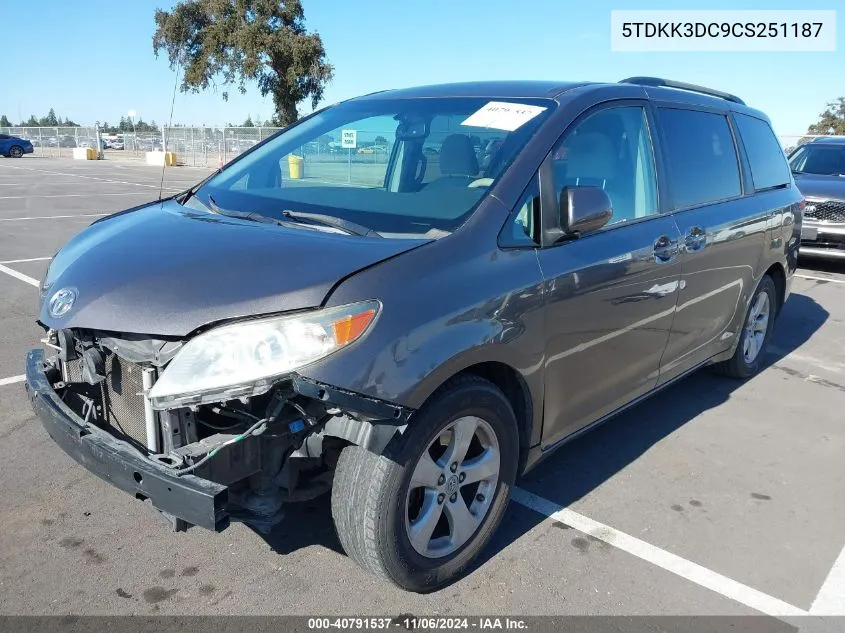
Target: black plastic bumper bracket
<point x="195" y="500"/>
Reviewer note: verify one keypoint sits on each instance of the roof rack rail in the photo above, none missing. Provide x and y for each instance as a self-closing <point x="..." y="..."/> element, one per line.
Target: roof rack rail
<point x="668" y="83"/>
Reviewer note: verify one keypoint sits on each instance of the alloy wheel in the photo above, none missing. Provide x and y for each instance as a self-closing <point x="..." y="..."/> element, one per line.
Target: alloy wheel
<point x="756" y="327"/>
<point x="452" y="487"/>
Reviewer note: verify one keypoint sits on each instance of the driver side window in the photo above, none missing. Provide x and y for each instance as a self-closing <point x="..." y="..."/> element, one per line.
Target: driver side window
<point x="611" y="149"/>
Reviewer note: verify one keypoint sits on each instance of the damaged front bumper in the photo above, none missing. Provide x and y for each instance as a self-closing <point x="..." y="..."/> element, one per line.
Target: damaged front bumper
<point x="195" y="500"/>
<point x="222" y="475"/>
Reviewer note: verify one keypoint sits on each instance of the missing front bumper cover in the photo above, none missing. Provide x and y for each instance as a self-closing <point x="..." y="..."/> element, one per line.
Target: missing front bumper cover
<point x="204" y="499"/>
<point x="197" y="501"/>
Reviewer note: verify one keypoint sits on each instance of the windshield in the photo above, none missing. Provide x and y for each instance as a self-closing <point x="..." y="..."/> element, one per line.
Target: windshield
<point x="828" y="160"/>
<point x="401" y="167"/>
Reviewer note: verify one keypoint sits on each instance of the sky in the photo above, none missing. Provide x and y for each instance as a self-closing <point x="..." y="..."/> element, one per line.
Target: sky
<point x="92" y="62"/>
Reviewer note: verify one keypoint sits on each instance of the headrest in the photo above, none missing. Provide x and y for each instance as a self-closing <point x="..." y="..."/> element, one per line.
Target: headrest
<point x="457" y="156"/>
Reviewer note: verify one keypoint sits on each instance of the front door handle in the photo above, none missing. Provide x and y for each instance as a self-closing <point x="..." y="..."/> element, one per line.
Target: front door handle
<point x="665" y="249"/>
<point x="695" y="239"/>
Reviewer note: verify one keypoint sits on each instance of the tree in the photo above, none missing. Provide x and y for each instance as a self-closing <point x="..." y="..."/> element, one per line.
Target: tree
<point x="832" y="120"/>
<point x="5" y="122"/>
<point x="380" y="140"/>
<point x="50" y="120"/>
<point x="248" y="122"/>
<point x="264" y="41"/>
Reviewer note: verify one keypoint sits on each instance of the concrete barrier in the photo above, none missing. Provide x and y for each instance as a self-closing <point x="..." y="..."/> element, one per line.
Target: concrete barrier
<point x="84" y="153"/>
<point x="161" y="159"/>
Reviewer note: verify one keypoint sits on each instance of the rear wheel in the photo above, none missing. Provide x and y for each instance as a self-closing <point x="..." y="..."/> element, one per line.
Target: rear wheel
<point x="421" y="516"/>
<point x="750" y="354"/>
<point x="16" y="151"/>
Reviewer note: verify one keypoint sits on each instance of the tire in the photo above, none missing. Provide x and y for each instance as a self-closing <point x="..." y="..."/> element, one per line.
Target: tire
<point x="16" y="151"/>
<point x="373" y="500"/>
<point x="741" y="365"/>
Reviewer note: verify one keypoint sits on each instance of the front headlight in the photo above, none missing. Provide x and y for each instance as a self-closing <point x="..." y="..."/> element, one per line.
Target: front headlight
<point x="245" y="359"/>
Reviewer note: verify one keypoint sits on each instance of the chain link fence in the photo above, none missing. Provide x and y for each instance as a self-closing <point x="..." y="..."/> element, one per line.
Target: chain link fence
<point x="213" y="146"/>
<point x="204" y="146"/>
<point x="55" y="141"/>
<point x="195" y="146"/>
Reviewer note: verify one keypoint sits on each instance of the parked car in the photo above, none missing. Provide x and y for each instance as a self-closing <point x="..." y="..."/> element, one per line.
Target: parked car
<point x="412" y="348"/>
<point x="819" y="170"/>
<point x="14" y="146"/>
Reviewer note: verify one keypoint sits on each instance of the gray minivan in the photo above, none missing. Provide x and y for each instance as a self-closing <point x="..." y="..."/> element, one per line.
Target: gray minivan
<point x="412" y="330"/>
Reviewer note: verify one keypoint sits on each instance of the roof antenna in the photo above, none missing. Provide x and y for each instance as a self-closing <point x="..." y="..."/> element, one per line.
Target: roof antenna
<point x="164" y="133"/>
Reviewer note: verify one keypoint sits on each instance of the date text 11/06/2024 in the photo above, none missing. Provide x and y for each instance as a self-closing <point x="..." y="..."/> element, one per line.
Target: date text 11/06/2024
<point x="417" y="623"/>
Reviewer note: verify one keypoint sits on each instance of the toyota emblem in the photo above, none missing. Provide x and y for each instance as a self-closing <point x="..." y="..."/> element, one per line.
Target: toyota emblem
<point x="62" y="302"/>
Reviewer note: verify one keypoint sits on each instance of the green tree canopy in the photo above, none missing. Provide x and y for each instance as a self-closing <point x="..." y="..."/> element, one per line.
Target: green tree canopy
<point x="50" y="120"/>
<point x="380" y="140"/>
<point x="264" y="41"/>
<point x="248" y="122"/>
<point x="832" y="120"/>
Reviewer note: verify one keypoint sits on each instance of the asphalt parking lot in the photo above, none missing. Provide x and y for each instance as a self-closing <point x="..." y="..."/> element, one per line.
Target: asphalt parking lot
<point x="715" y="497"/>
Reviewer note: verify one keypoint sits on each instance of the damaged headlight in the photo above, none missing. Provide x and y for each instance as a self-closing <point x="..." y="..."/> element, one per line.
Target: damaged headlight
<point x="245" y="359"/>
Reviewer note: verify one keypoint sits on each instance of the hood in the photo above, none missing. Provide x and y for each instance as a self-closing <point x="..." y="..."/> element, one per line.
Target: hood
<point x="818" y="186"/>
<point x="167" y="270"/>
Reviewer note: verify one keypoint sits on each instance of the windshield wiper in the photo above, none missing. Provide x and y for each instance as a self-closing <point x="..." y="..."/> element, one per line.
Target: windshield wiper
<point x="252" y="216"/>
<point x="329" y="220"/>
<point x="297" y="217"/>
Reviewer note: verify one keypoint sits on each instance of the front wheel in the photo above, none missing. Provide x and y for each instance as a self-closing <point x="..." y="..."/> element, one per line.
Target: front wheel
<point x="16" y="151"/>
<point x="750" y="353"/>
<point x="420" y="516"/>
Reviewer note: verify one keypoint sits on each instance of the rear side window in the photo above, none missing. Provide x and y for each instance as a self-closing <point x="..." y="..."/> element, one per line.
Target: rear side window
<point x="702" y="158"/>
<point x="768" y="162"/>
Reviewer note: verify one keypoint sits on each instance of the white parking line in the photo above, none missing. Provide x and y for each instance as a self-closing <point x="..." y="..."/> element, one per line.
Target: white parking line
<point x="21" y="276"/>
<point x="673" y="563"/>
<point x="836" y="281"/>
<point x="21" y="261"/>
<point x="828" y="365"/>
<point x="54" y="183"/>
<point x="61" y="173"/>
<point x="54" y="217"/>
<point x="831" y="597"/>
<point x="78" y="195"/>
<point x="12" y="380"/>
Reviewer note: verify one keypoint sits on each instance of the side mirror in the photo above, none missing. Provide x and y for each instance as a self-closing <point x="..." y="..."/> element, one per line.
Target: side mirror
<point x="584" y="209"/>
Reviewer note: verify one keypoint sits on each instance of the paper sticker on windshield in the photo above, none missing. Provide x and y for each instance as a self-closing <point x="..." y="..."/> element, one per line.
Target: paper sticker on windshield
<point x="503" y="116"/>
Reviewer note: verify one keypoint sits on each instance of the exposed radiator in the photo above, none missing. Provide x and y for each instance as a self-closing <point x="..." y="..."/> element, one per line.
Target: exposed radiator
<point x="118" y="397"/>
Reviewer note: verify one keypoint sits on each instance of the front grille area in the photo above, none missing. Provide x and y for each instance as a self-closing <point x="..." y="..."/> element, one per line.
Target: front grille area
<point x="826" y="211"/>
<point x="118" y="400"/>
